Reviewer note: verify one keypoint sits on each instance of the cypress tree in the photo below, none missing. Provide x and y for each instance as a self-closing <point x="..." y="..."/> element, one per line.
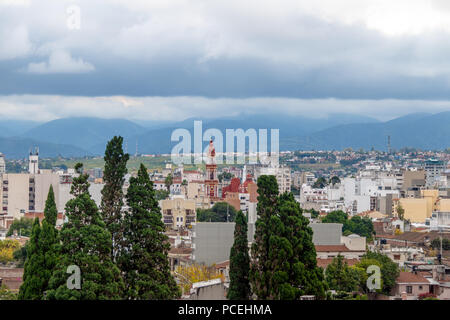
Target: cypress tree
<point x="86" y="243"/>
<point x="143" y="259"/>
<point x="260" y="266"/>
<point x="284" y="257"/>
<point x="49" y="237"/>
<point x="43" y="253"/>
<point x="31" y="288"/>
<point x="239" y="261"/>
<point x="292" y="254"/>
<point x="112" y="194"/>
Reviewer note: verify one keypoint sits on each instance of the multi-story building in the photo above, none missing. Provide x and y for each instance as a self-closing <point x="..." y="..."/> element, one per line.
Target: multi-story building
<point x="2" y="164"/>
<point x="178" y="212"/>
<point x="282" y="174"/>
<point x="433" y="170"/>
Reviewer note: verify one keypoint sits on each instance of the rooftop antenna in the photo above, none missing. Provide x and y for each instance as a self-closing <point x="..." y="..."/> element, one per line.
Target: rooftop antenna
<point x="389" y="144"/>
<point x="136" y="149"/>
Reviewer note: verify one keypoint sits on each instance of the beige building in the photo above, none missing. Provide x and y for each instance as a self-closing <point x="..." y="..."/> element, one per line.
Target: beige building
<point x="354" y="242"/>
<point x="25" y="194"/>
<point x="178" y="212"/>
<point x="416" y="210"/>
<point x="444" y="205"/>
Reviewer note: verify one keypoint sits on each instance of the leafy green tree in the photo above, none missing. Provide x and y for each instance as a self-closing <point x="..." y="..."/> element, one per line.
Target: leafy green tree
<point x="220" y="212"/>
<point x="144" y="257"/>
<point x="335" y="217"/>
<point x="23" y="226"/>
<point x="20" y="255"/>
<point x="239" y="261"/>
<point x="86" y="243"/>
<point x="161" y="194"/>
<point x="43" y="253"/>
<point x="168" y="182"/>
<point x="340" y="277"/>
<point x="6" y="294"/>
<point x="362" y="267"/>
<point x="400" y="212"/>
<point x="320" y="183"/>
<point x="112" y="194"/>
<point x="335" y="180"/>
<point x="436" y="244"/>
<point x="314" y="213"/>
<point x="360" y="226"/>
<point x="389" y="270"/>
<point x="284" y="262"/>
<point x="225" y="176"/>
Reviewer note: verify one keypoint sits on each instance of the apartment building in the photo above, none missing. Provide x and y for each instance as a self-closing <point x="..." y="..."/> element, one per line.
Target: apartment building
<point x="178" y="212"/>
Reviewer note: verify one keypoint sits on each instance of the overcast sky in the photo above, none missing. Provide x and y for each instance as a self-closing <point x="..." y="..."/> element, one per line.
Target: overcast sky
<point x="173" y="59"/>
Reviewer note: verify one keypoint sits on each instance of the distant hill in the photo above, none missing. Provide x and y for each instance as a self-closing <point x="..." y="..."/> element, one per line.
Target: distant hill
<point x="423" y="131"/>
<point x="10" y="128"/>
<point x="18" y="148"/>
<point x="88" y="136"/>
<point x="158" y="140"/>
<point x="86" y="133"/>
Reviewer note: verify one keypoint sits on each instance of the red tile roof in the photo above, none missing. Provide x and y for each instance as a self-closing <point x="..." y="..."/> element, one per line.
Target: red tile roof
<point x="409" y="277"/>
<point x="180" y="250"/>
<point x="223" y="264"/>
<point x="332" y="248"/>
<point x="325" y="262"/>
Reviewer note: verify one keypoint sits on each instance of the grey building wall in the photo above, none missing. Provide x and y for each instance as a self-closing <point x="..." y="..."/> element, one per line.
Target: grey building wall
<point x="326" y="233"/>
<point x="213" y="241"/>
<point x="212" y="292"/>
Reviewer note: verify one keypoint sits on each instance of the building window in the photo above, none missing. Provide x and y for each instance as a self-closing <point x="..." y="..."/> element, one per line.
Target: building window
<point x="408" y="289"/>
<point x="420" y="287"/>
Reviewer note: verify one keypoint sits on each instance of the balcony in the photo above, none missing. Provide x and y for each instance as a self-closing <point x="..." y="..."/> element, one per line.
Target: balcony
<point x="168" y="219"/>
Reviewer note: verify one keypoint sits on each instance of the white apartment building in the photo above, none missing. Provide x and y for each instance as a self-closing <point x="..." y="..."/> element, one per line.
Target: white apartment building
<point x="282" y="174"/>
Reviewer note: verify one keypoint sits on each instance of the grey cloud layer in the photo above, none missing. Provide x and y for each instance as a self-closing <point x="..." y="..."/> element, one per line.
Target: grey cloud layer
<point x="215" y="49"/>
<point x="45" y="108"/>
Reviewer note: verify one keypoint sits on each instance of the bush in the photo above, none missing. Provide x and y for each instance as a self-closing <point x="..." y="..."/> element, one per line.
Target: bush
<point x="427" y="296"/>
<point x="7" y="248"/>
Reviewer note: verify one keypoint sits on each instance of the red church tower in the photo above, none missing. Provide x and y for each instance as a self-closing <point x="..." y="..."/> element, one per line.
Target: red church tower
<point x="211" y="181"/>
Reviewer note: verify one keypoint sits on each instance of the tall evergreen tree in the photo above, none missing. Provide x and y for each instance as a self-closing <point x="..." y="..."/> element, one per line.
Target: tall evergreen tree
<point x="284" y="256"/>
<point x="260" y="266"/>
<point x="239" y="261"/>
<point x="87" y="244"/>
<point x="112" y="194"/>
<point x="44" y="253"/>
<point x="31" y="288"/>
<point x="144" y="256"/>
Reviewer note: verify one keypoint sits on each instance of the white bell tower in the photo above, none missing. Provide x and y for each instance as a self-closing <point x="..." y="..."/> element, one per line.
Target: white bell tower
<point x="33" y="161"/>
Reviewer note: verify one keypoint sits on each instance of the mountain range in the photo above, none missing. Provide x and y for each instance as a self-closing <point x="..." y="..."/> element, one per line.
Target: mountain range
<point x="81" y="136"/>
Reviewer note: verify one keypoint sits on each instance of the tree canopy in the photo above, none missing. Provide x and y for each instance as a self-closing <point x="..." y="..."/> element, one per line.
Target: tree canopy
<point x="218" y="213"/>
<point x="239" y="261"/>
<point x="143" y="259"/>
<point x="23" y="226"/>
<point x="85" y="243"/>
<point x="284" y="264"/>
